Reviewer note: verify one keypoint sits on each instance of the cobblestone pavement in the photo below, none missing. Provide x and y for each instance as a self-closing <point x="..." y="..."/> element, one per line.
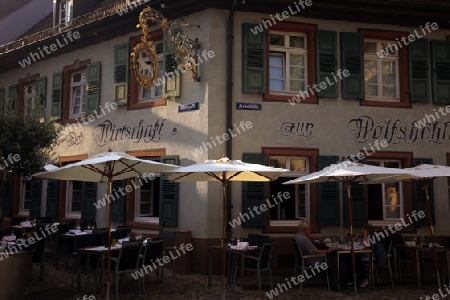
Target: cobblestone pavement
<point x="57" y="286"/>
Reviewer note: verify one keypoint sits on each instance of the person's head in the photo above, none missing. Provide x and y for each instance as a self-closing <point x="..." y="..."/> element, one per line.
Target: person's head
<point x="303" y="226"/>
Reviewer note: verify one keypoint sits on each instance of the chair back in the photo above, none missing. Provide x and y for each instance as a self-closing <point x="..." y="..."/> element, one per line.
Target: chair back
<point x="38" y="255"/>
<point x="257" y="239"/>
<point x="129" y="255"/>
<point x="154" y="250"/>
<point x="265" y="255"/>
<point x="64" y="227"/>
<point x="297" y="251"/>
<point x="169" y="236"/>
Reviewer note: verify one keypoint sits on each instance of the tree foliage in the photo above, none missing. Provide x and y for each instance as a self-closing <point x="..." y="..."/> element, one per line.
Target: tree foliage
<point x="29" y="136"/>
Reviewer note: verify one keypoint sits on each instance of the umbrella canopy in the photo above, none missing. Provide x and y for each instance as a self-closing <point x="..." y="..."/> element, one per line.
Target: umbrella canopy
<point x="347" y="172"/>
<point x="424" y="173"/>
<point x="106" y="167"/>
<point x="224" y="170"/>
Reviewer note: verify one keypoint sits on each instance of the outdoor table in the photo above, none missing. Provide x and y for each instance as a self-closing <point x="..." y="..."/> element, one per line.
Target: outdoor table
<point x="346" y="250"/>
<point x="240" y="252"/>
<point x="417" y="252"/>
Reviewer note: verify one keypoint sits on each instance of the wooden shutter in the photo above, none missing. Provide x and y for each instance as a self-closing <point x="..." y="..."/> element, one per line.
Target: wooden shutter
<point x="360" y="215"/>
<point x="171" y="87"/>
<point x="2" y="101"/>
<point x="57" y="94"/>
<point x="12" y="97"/>
<point x="419" y="197"/>
<point x="254" y="193"/>
<point x="52" y="198"/>
<point x="441" y="71"/>
<point x="118" y="205"/>
<point x="41" y="95"/>
<point x="326" y="62"/>
<point x="7" y="204"/>
<point x="253" y="60"/>
<point x="93" y="87"/>
<point x="352" y="60"/>
<point x="36" y="195"/>
<point x="121" y="69"/>
<point x="419" y="75"/>
<point x="329" y="208"/>
<point x="88" y="198"/>
<point x="168" y="196"/>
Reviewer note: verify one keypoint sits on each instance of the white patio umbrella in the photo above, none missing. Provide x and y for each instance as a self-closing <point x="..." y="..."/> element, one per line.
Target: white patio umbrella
<point x="106" y="167"/>
<point x="424" y="173"/>
<point x="225" y="170"/>
<point x="347" y="172"/>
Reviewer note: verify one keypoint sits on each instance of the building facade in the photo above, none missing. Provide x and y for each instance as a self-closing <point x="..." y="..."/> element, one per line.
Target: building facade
<point x="292" y="85"/>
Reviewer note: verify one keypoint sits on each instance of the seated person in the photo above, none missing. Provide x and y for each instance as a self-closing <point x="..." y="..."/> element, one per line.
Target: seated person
<point x="306" y="246"/>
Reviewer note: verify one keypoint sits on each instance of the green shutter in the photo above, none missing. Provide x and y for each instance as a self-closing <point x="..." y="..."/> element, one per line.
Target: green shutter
<point x="57" y="94"/>
<point x="419" y="75"/>
<point x="36" y="195"/>
<point x="118" y="205"/>
<point x="419" y="197"/>
<point x="441" y="71"/>
<point x="168" y="196"/>
<point x="326" y="62"/>
<point x="12" y="104"/>
<point x="254" y="193"/>
<point x="2" y="101"/>
<point x="88" y="198"/>
<point x="171" y="87"/>
<point x="352" y="60"/>
<point x="7" y="205"/>
<point x="121" y="68"/>
<point x="41" y="95"/>
<point x="253" y="59"/>
<point x="329" y="208"/>
<point x="360" y="215"/>
<point x="52" y="198"/>
<point x="93" y="87"/>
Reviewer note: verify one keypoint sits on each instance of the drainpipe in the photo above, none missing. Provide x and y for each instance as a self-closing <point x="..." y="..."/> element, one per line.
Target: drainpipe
<point x="229" y="102"/>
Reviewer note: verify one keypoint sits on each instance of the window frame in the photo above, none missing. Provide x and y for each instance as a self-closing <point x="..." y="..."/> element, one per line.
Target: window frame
<point x="68" y="70"/>
<point x="130" y="219"/>
<point x="83" y="93"/>
<point x="22" y="82"/>
<point x="135" y="89"/>
<point x="137" y="215"/>
<point x="292" y="225"/>
<point x="309" y="30"/>
<point x="67" y="14"/>
<point x="69" y="198"/>
<point x="23" y="187"/>
<point x="403" y="67"/>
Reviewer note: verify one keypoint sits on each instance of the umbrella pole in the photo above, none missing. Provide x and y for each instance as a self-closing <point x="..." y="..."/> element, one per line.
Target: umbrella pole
<point x="350" y="210"/>
<point x="430" y="219"/>
<point x="224" y="232"/>
<point x="108" y="241"/>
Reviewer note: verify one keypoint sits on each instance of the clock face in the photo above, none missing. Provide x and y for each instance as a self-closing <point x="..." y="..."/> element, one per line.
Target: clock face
<point x="144" y="62"/>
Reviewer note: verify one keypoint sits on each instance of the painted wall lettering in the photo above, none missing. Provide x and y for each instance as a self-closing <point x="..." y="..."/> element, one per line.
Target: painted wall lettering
<point x="146" y="131"/>
<point x="73" y="139"/>
<point x="394" y="131"/>
<point x="298" y="129"/>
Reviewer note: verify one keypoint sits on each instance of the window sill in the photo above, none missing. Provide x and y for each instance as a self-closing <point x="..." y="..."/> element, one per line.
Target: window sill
<point x="401" y="104"/>
<point x="145" y="104"/>
<point x="286" y="98"/>
<point x="144" y="225"/>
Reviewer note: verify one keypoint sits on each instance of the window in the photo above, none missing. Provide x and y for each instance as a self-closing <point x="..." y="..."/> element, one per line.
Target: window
<point x="29" y="96"/>
<point x="65" y="13"/>
<point x="25" y="195"/>
<point x="74" y="198"/>
<point x="78" y="94"/>
<point x="287" y="62"/>
<point x="155" y="92"/>
<point x="290" y="209"/>
<point x="385" y="69"/>
<point x="385" y="201"/>
<point x="381" y="81"/>
<point x="147" y="200"/>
